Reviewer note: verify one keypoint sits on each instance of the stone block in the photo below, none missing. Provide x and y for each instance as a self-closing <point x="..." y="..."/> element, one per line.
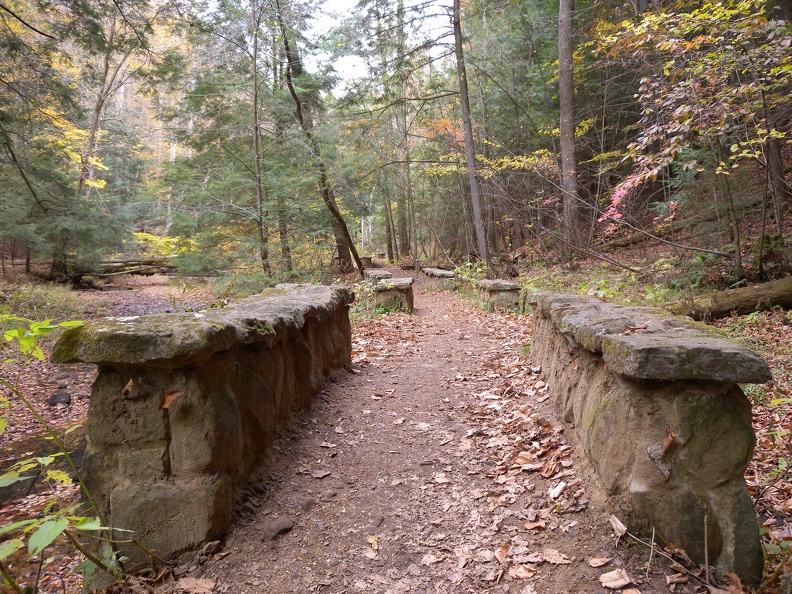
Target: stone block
<point x="395" y="293"/>
<point x="651" y="403"/>
<point x="438" y="272"/>
<point x="376" y="274"/>
<point x="499" y="293"/>
<point x="170" y="518"/>
<point x="438" y="277"/>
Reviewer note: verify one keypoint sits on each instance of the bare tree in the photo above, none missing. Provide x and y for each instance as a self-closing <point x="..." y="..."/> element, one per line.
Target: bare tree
<point x="470" y="156"/>
<point x="294" y="69"/>
<point x="566" y="93"/>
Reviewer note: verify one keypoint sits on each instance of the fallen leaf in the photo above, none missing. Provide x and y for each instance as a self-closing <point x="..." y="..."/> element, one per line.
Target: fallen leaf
<point x="549" y="468"/>
<point x="399" y="421"/>
<point x="374" y="542"/>
<point x="338" y="430"/>
<point x="538" y="525"/>
<point x="618" y="528"/>
<point x="599" y="561"/>
<point x="734" y="585"/>
<point x="522" y="458"/>
<point x="441" y="479"/>
<point x="500" y="554"/>
<point x="668" y="442"/>
<point x="430" y="559"/>
<point x="522" y="572"/>
<point x="677" y="578"/>
<point x="534" y="466"/>
<point x="320" y="474"/>
<point x="631" y="591"/>
<point x="679" y="554"/>
<point x="129" y="388"/>
<point x="616" y="579"/>
<point x="168" y="398"/>
<point x="555" y="557"/>
<point x="485" y="556"/>
<point x="556" y="491"/>
<point x="534" y="558"/>
<point x="327" y="444"/>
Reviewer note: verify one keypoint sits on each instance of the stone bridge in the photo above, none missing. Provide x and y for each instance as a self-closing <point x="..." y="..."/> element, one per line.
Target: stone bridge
<point x="184" y="404"/>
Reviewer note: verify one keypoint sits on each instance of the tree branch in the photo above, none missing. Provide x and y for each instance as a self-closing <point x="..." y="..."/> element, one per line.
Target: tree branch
<point x="25" y="23"/>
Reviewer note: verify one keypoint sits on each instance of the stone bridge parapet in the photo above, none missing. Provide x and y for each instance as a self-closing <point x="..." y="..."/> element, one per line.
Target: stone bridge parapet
<point x="653" y="404"/>
<point x="184" y="403"/>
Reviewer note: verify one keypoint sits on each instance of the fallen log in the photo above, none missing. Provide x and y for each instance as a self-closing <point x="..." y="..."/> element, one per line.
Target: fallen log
<point x="109" y="266"/>
<point x="140" y="271"/>
<point x="741" y="301"/>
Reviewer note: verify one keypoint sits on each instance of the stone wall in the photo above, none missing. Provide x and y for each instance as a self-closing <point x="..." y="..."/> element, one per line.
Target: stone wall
<point x="184" y="403"/>
<point x="652" y="404"/>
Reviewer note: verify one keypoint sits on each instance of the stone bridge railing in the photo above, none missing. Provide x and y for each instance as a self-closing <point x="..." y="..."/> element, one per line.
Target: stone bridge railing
<point x="184" y="403"/>
<point x="653" y="405"/>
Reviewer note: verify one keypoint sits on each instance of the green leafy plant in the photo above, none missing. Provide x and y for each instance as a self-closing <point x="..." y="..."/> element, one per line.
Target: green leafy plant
<point x="56" y="521"/>
<point x="470" y="273"/>
<point x="364" y="307"/>
<point x="657" y="294"/>
<point x="601" y="289"/>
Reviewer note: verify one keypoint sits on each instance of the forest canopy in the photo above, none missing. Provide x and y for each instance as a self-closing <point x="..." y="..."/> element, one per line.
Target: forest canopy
<point x="235" y="138"/>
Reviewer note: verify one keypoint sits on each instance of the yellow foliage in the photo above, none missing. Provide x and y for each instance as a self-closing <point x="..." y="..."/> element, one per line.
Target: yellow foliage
<point x="541" y="162"/>
<point x="165" y="246"/>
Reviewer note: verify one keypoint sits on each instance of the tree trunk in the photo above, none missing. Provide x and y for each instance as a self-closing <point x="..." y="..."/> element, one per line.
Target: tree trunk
<point x="283" y="231"/>
<point x="566" y="94"/>
<point x="781" y="191"/>
<point x="475" y="198"/>
<point x="294" y="69"/>
<point x="388" y="231"/>
<point x="261" y="192"/>
<point x="108" y="85"/>
<point x="401" y="209"/>
<point x="735" y="221"/>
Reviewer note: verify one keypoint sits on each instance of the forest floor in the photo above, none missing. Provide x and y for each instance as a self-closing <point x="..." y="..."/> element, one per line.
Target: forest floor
<point x="435" y="463"/>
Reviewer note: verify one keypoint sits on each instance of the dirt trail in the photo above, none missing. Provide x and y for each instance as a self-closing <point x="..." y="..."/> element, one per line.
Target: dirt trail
<point x="433" y="466"/>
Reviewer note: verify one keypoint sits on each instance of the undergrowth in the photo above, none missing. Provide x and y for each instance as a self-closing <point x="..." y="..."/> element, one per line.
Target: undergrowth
<point x="39" y="302"/>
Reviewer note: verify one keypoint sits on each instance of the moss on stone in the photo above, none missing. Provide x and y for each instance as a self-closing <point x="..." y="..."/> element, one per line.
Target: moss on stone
<point x="262" y="328"/>
<point x="594" y="413"/>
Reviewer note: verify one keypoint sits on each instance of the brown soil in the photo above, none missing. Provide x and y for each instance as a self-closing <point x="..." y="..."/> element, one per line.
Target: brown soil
<point x="434" y="464"/>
